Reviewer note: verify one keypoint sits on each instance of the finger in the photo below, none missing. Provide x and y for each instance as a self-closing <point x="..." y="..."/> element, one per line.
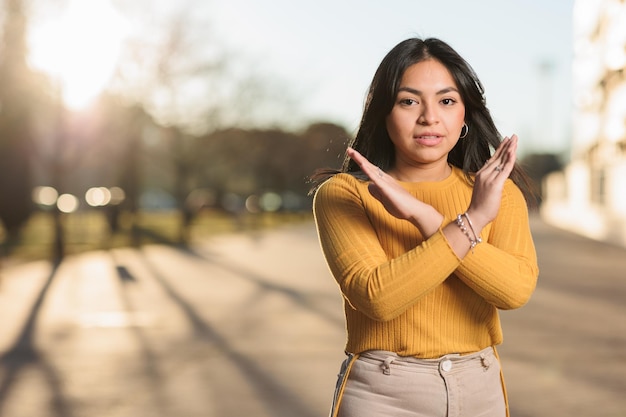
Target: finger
<point x="502" y="149"/>
<point x="361" y="161"/>
<point x="501" y="155"/>
<point x="508" y="152"/>
<point x="372" y="171"/>
<point x="507" y="158"/>
<point x="495" y="159"/>
<point x="511" y="155"/>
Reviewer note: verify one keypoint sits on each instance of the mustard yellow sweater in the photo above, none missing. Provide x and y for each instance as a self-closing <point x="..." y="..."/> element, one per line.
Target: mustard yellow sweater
<point x="413" y="296"/>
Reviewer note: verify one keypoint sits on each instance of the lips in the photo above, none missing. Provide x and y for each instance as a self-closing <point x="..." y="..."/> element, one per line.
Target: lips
<point x="428" y="139"/>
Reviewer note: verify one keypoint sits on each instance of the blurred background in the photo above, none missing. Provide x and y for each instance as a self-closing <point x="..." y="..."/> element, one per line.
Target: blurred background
<point x="149" y="124"/>
<point x="114" y="114"/>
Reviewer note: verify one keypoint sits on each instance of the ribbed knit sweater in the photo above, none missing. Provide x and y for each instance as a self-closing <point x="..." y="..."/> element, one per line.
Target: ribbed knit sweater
<point x="413" y="296"/>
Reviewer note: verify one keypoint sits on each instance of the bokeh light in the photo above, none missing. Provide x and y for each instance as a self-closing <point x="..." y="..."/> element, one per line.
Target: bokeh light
<point x="67" y="203"/>
<point x="270" y="202"/>
<point x="98" y="196"/>
<point x="117" y="195"/>
<point x="45" y="196"/>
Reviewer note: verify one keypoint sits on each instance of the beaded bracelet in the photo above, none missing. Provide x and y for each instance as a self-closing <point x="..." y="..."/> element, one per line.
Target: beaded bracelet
<point x="471" y="225"/>
<point x="474" y="240"/>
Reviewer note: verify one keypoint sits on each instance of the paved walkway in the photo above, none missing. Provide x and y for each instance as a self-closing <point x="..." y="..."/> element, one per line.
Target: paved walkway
<point x="252" y="325"/>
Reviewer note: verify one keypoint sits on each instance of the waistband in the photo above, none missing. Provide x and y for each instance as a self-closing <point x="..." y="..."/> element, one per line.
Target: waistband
<point x="386" y="358"/>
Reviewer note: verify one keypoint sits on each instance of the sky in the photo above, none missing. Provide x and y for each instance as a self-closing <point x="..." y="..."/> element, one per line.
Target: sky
<point x="322" y="54"/>
<point x="325" y="52"/>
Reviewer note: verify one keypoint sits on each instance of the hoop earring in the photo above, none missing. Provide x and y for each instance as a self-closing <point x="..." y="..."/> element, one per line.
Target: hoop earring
<point x="466" y="131"/>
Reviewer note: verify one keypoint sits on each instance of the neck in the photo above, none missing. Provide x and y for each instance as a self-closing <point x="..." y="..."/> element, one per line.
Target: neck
<point x="421" y="174"/>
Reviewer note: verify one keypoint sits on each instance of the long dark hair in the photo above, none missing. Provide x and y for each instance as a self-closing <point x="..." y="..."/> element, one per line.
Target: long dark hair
<point x="372" y="139"/>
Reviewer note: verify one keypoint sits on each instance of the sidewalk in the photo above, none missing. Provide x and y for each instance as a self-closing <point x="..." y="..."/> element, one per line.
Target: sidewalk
<point x="252" y="325"/>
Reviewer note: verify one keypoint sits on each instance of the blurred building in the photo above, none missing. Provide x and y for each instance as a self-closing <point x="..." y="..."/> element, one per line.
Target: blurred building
<point x="589" y="195"/>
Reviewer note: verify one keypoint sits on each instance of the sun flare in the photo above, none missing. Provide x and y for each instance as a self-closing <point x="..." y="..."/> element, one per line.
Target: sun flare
<point x="79" y="49"/>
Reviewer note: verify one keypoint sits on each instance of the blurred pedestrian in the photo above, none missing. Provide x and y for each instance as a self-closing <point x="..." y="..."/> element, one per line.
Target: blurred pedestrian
<point x="425" y="229"/>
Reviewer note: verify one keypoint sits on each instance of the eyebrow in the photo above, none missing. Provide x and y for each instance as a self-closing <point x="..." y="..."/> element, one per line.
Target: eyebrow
<point x="419" y="93"/>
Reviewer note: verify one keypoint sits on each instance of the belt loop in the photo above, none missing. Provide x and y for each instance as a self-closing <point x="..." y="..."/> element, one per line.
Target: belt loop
<point x="484" y="361"/>
<point x="386" y="365"/>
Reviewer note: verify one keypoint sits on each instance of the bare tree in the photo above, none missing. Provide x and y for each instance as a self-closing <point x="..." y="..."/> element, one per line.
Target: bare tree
<point x="184" y="78"/>
<point x="16" y="95"/>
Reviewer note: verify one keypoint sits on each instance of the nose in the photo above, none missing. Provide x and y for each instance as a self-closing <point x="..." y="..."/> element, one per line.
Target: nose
<point x="427" y="115"/>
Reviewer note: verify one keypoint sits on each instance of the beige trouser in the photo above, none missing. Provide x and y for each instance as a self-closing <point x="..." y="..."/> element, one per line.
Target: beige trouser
<point x="381" y="383"/>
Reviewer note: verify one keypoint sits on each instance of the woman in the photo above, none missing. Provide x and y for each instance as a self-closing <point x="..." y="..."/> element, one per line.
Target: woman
<point x="427" y="238"/>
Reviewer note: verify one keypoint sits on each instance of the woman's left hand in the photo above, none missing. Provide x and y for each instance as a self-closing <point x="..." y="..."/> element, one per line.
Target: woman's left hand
<point x="489" y="183"/>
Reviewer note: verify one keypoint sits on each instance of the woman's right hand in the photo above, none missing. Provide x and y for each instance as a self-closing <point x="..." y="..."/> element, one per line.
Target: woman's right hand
<point x="396" y="200"/>
<point x="489" y="183"/>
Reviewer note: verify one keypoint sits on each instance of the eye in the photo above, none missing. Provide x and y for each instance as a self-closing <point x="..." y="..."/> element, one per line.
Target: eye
<point x="448" y="101"/>
<point x="407" y="101"/>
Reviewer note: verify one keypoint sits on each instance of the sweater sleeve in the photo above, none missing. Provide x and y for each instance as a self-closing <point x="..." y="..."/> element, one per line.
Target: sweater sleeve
<point x="379" y="287"/>
<point x="504" y="270"/>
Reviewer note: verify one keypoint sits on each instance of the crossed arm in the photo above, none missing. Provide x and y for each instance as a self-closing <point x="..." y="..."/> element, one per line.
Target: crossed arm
<point x="483" y="208"/>
<point x="502" y="270"/>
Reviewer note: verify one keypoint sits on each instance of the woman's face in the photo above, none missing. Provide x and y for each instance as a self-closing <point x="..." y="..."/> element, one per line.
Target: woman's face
<point x="427" y="117"/>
